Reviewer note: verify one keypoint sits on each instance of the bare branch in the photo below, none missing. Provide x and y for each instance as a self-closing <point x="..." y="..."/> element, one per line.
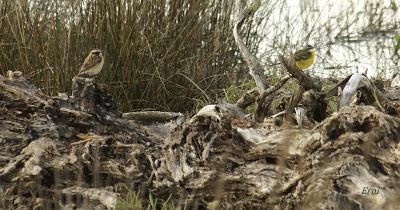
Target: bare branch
<point x="274" y="88"/>
<point x="304" y="80"/>
<point x="250" y="96"/>
<point x="255" y="67"/>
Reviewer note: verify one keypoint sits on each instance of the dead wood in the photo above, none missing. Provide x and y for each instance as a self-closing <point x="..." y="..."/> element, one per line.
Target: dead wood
<point x="327" y="167"/>
<point x="52" y="144"/>
<point x="152" y="116"/>
<point x="304" y="79"/>
<point x="368" y="93"/>
<point x="294" y="100"/>
<point x="395" y="80"/>
<point x="255" y="68"/>
<point x="90" y="98"/>
<point x="334" y="90"/>
<point x="263" y="101"/>
<point x="308" y="87"/>
<point x="248" y="98"/>
<point x="59" y="153"/>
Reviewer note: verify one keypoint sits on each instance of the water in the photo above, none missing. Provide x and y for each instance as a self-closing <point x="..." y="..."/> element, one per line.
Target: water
<point x="350" y="36"/>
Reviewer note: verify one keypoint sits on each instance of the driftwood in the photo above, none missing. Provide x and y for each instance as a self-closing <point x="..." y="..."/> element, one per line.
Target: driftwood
<point x="56" y="154"/>
<point x="265" y="92"/>
<point x="80" y="152"/>
<point x="255" y="67"/>
<point x="307" y="103"/>
<point x="152" y="116"/>
<point x="304" y="79"/>
<point x="339" y="165"/>
<point x="263" y="99"/>
<point x="395" y="80"/>
<point x="359" y="89"/>
<point x="252" y="95"/>
<point x="52" y="144"/>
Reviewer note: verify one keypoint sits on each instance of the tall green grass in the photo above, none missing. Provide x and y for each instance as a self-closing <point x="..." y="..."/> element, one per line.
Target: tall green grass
<point x="166" y="55"/>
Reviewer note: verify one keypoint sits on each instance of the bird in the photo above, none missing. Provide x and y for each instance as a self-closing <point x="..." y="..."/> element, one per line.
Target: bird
<point x="304" y="58"/>
<point x="93" y="63"/>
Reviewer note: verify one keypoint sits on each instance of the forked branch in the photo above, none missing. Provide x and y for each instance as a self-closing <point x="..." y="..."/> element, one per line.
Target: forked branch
<point x="255" y="67"/>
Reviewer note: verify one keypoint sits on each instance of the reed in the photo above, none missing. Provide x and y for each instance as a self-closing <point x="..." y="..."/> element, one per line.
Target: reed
<point x="178" y="55"/>
<point x="168" y="55"/>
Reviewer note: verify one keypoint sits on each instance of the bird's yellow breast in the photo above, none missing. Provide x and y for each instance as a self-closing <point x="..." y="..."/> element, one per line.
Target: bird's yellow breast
<point x="304" y="64"/>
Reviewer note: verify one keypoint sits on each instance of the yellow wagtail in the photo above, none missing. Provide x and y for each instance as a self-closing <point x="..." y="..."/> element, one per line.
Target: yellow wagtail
<point x="304" y="58"/>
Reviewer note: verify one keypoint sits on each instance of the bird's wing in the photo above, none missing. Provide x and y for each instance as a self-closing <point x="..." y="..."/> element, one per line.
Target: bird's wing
<point x="302" y="55"/>
<point x="90" y="61"/>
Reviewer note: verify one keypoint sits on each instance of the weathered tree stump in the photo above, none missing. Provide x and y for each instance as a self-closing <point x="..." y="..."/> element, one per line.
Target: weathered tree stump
<point x="67" y="151"/>
<point x="88" y="97"/>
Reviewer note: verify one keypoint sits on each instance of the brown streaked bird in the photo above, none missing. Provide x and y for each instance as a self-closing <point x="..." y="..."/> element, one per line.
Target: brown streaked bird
<point x="93" y="63"/>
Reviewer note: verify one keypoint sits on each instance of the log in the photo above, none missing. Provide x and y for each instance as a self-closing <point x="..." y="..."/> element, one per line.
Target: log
<point x="330" y="166"/>
<point x="54" y="144"/>
<point x="152" y="116"/>
<point x="58" y="154"/>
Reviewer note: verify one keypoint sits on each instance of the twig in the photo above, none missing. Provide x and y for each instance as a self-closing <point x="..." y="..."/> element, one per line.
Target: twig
<point x="291" y="183"/>
<point x="265" y="100"/>
<point x="251" y="96"/>
<point x="274" y="88"/>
